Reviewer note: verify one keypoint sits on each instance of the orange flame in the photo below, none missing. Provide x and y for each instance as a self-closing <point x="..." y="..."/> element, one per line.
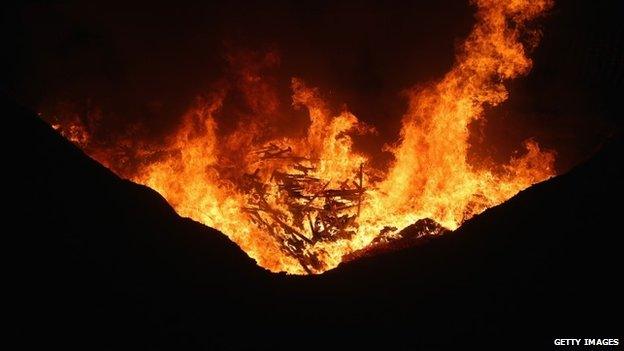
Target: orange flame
<point x="229" y="181"/>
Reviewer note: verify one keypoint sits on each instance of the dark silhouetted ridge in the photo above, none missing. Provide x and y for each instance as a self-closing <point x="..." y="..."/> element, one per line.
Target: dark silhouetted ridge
<point x="104" y="263"/>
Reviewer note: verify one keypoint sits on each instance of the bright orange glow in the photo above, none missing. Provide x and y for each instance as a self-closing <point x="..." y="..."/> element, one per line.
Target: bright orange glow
<point x="299" y="204"/>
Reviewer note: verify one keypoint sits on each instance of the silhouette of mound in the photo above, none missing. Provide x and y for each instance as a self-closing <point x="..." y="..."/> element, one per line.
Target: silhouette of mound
<point x="103" y="263"/>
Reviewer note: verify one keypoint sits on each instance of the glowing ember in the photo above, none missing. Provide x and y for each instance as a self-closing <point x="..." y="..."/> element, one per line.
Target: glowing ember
<point x="300" y="204"/>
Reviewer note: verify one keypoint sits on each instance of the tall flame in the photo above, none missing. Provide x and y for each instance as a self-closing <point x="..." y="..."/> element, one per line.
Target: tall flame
<point x="275" y="196"/>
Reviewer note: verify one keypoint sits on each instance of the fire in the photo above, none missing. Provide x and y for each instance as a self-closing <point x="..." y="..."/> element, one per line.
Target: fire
<point x="300" y="203"/>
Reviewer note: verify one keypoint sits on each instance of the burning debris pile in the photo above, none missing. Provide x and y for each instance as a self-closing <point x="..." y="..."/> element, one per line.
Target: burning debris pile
<point x="314" y="212"/>
<point x="302" y="202"/>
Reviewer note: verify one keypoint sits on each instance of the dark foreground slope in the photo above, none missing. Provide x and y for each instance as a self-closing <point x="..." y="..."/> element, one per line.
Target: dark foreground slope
<point x="105" y="263"/>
